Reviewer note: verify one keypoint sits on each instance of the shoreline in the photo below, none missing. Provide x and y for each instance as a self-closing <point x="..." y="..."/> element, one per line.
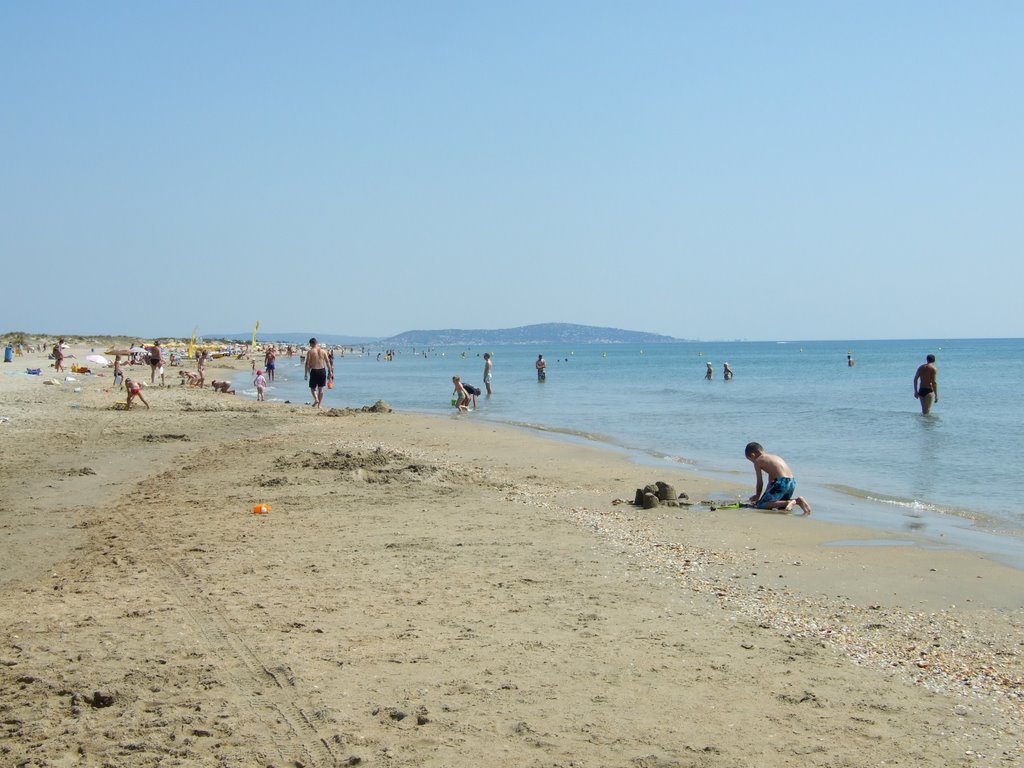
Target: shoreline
<point x="916" y="526"/>
<point x="477" y="579"/>
<point x="925" y="525"/>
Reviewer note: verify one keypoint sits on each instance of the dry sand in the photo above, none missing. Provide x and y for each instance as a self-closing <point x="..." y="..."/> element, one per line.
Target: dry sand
<point x="448" y="592"/>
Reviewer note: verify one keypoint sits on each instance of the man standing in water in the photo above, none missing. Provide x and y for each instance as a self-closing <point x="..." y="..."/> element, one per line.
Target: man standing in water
<point x="317" y="370"/>
<point x="270" y="362"/>
<point x="926" y="384"/>
<point x="488" y="365"/>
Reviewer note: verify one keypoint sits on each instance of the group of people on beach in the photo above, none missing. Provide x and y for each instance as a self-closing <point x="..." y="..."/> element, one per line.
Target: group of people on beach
<point x="464" y="395"/>
<point x="155" y="359"/>
<point x="775" y="485"/>
<point x="318" y="361"/>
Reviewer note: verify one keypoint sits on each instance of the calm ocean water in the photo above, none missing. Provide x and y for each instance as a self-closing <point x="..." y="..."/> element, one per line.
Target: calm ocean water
<point x="855" y="438"/>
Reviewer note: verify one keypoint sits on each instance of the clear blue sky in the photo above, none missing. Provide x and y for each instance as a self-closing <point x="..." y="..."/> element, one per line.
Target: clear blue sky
<point x="711" y="170"/>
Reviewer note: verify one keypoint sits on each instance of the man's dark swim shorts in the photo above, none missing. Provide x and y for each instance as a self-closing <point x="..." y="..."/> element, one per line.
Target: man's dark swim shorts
<point x="317" y="377"/>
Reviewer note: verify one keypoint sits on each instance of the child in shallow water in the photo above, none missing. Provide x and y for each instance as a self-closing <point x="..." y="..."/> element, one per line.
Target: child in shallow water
<point x="260" y="383"/>
<point x="460" y="394"/>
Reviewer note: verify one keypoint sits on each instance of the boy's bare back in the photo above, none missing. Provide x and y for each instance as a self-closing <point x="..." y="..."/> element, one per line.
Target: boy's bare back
<point x="774" y="466"/>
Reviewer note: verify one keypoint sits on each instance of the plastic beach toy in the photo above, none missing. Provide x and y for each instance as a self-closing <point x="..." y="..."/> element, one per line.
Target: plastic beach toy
<point x="261" y="509"/>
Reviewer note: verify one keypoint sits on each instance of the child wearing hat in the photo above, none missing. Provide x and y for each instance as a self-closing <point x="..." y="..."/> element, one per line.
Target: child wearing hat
<point x="261" y="384"/>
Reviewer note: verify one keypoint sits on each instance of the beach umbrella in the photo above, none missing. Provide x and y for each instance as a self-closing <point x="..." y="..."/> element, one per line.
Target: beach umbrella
<point x="139" y="351"/>
<point x="98" y="359"/>
<point x="122" y="352"/>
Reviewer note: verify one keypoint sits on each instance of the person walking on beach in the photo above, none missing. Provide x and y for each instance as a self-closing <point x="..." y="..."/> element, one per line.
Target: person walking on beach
<point x="926" y="384"/>
<point x="156" y="363"/>
<point x="317" y="371"/>
<point x="541" y="368"/>
<point x="781" y="485"/>
<point x="118" y="371"/>
<point x="201" y="369"/>
<point x="58" y="355"/>
<point x="488" y="365"/>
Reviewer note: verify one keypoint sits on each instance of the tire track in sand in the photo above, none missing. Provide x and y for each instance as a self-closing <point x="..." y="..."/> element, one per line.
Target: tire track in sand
<point x="247" y="670"/>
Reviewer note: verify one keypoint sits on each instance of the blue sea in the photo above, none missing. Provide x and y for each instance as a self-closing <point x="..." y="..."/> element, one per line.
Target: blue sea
<point x="854" y="436"/>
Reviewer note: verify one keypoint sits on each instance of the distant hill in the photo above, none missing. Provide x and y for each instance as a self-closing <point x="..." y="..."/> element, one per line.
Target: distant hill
<point x="545" y="333"/>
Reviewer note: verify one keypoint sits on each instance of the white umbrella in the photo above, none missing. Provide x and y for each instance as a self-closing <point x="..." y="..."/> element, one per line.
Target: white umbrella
<point x="139" y="351"/>
<point x="98" y="359"/>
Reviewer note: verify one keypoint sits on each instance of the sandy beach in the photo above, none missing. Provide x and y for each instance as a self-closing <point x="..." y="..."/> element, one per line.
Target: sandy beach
<point x="447" y="592"/>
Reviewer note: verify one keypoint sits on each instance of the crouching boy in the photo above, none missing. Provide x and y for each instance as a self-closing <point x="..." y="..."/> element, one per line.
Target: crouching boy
<point x="781" y="485"/>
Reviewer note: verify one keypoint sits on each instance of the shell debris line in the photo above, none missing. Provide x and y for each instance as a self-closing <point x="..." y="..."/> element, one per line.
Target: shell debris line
<point x="935" y="649"/>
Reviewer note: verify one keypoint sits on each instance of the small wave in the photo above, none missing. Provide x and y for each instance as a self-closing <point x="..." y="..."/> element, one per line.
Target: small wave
<point x="661" y="456"/>
<point x="591" y="436"/>
<point x="914" y="505"/>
